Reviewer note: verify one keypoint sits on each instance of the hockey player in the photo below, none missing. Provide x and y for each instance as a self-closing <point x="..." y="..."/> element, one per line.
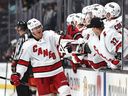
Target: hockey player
<point x="70" y="25"/>
<point x="91" y="11"/>
<point x="98" y="11"/>
<point x="113" y="11"/>
<point x="22" y="31"/>
<point x="92" y="59"/>
<point x="114" y="20"/>
<point x="77" y="54"/>
<point x="110" y="43"/>
<point x="75" y="26"/>
<point x="41" y="51"/>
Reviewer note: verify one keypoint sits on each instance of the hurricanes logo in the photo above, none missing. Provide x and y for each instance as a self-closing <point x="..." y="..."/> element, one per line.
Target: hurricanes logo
<point x="44" y="53"/>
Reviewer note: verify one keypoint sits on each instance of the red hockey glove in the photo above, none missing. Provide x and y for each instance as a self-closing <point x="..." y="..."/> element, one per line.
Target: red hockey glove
<point x="116" y="64"/>
<point x="15" y="79"/>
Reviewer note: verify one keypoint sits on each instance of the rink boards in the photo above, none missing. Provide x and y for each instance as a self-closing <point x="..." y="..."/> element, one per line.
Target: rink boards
<point x="5" y="68"/>
<point x="86" y="82"/>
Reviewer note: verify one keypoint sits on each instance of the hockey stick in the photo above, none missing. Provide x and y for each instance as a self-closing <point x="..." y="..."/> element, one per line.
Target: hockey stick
<point x="22" y="83"/>
<point x="6" y="80"/>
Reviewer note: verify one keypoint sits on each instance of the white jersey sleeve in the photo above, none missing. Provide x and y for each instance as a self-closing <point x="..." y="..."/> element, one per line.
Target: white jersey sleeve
<point x="53" y="35"/>
<point x="87" y="33"/>
<point x="23" y="62"/>
<point x="113" y="40"/>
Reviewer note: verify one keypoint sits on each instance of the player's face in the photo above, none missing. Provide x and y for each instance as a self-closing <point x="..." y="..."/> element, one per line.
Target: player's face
<point x="97" y="31"/>
<point x="108" y="16"/>
<point x="37" y="32"/>
<point x="19" y="31"/>
<point x="88" y="18"/>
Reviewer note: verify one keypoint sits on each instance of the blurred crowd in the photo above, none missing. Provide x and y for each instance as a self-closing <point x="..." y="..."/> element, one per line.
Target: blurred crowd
<point x="93" y="37"/>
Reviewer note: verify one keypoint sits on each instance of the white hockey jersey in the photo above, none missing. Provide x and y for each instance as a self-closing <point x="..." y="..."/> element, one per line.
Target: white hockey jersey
<point x="94" y="59"/>
<point x="42" y="54"/>
<point x="117" y="25"/>
<point x="110" y="44"/>
<point x="114" y="23"/>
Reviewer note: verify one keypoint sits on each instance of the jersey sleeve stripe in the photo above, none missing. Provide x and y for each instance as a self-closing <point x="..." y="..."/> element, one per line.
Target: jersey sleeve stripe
<point x="98" y="65"/>
<point x="23" y="62"/>
<point x="118" y="46"/>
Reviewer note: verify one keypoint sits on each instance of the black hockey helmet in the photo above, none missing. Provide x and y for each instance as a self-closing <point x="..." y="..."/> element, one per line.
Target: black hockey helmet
<point x="22" y="25"/>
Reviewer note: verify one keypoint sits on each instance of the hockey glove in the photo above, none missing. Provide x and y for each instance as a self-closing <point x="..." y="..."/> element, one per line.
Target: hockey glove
<point x="69" y="47"/>
<point x="87" y="49"/>
<point x="15" y="79"/>
<point x="118" y="56"/>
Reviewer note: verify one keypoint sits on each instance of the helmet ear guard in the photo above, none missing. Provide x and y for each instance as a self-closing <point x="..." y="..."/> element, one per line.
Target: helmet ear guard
<point x="33" y="23"/>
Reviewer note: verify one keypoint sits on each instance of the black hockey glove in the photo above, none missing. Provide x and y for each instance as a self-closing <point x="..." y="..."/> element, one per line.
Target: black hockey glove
<point x="87" y="49"/>
<point x="118" y="56"/>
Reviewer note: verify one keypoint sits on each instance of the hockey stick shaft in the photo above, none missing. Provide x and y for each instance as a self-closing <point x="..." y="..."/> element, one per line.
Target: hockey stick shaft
<point x="4" y="78"/>
<point x="22" y="83"/>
